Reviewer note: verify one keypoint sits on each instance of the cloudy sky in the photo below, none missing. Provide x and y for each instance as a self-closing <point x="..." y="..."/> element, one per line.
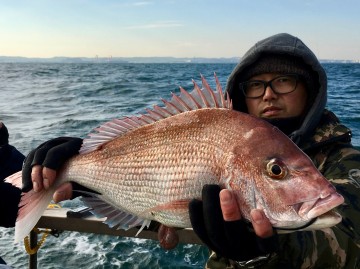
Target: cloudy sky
<point x="179" y="28"/>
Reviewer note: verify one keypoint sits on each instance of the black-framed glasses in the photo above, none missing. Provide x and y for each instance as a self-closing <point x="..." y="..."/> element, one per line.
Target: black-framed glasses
<point x="280" y="85"/>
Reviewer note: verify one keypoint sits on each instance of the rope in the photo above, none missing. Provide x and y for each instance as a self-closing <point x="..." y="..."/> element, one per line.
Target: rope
<point x="34" y="250"/>
<point x="54" y="206"/>
<point x="46" y="232"/>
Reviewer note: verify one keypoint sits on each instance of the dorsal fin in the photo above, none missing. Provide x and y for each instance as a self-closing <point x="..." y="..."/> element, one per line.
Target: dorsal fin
<point x="199" y="98"/>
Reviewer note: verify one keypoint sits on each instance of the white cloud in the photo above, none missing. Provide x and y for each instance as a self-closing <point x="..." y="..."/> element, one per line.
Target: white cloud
<point x="160" y="24"/>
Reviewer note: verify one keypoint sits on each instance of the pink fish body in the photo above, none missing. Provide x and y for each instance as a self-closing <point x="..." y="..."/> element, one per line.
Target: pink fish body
<point x="149" y="167"/>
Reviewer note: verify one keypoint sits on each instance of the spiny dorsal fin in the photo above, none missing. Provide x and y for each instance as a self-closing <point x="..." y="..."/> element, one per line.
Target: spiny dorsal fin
<point x="199" y="98"/>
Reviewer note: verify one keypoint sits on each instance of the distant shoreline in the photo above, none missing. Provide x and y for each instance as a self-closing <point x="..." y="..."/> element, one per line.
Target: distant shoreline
<point x="234" y="60"/>
<point x="119" y="60"/>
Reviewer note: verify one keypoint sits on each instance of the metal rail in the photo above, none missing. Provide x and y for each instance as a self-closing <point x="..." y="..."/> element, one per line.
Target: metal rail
<point x="56" y="219"/>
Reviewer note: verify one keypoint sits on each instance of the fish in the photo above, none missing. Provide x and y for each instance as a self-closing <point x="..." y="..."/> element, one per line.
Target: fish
<point x="148" y="167"/>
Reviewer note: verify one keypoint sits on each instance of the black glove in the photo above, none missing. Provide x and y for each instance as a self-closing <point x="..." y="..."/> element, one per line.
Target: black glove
<point x="230" y="239"/>
<point x="52" y="154"/>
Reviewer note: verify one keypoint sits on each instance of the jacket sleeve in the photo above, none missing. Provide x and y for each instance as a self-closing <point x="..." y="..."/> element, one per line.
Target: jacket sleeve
<point x="10" y="198"/>
<point x="342" y="168"/>
<point x="10" y="162"/>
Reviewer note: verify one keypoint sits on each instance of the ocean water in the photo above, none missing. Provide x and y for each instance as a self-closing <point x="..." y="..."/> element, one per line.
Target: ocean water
<point x="40" y="101"/>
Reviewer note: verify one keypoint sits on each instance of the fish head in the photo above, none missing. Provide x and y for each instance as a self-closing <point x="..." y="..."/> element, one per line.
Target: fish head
<point x="279" y="178"/>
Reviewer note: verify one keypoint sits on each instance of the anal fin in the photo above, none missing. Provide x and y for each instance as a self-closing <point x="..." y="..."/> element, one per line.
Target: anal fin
<point x="115" y="217"/>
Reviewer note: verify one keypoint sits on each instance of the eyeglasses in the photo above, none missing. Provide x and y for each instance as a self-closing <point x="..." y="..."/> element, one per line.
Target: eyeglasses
<point x="280" y="85"/>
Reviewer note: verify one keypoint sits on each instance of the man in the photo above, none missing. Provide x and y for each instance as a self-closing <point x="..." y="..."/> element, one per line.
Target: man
<point x="11" y="161"/>
<point x="281" y="81"/>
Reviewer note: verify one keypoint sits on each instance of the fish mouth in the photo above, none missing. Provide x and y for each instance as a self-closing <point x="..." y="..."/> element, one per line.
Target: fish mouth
<point x="316" y="207"/>
<point x="297" y="228"/>
<point x="325" y="220"/>
<point x="316" y="213"/>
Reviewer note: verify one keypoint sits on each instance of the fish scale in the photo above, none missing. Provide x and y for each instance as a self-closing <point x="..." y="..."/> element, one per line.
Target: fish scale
<point x="149" y="167"/>
<point x="166" y="170"/>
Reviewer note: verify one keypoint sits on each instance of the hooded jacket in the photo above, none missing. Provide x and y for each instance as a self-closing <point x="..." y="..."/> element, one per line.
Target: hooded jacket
<point x="328" y="143"/>
<point x="285" y="45"/>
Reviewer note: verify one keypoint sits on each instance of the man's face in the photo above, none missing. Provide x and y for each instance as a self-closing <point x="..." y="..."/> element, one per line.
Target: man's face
<point x="273" y="105"/>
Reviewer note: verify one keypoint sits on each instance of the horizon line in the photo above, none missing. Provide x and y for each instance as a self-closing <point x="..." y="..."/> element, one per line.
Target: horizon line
<point x="124" y="58"/>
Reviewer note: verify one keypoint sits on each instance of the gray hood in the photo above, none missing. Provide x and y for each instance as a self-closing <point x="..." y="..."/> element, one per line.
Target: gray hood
<point x="284" y="44"/>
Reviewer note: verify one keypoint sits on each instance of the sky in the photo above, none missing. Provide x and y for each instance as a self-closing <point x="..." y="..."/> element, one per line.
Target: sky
<point x="174" y="28"/>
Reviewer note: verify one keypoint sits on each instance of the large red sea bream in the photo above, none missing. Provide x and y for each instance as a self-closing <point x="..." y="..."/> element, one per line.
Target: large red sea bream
<point x="149" y="167"/>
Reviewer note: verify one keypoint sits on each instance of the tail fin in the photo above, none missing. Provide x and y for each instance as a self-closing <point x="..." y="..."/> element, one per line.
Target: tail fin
<point x="15" y="179"/>
<point x="31" y="207"/>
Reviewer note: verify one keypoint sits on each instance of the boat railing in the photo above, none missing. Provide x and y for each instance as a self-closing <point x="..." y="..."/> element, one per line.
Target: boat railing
<point x="56" y="219"/>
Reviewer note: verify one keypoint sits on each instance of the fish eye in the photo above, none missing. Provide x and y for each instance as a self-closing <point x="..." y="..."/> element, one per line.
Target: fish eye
<point x="276" y="169"/>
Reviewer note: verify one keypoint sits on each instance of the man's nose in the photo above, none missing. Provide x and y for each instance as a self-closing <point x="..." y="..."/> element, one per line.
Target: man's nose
<point x="269" y="93"/>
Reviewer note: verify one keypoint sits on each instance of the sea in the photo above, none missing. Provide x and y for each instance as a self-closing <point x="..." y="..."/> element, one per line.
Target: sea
<point x="40" y="101"/>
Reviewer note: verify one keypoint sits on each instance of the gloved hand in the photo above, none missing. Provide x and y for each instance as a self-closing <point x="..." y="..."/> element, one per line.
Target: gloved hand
<point x="51" y="154"/>
<point x="230" y="239"/>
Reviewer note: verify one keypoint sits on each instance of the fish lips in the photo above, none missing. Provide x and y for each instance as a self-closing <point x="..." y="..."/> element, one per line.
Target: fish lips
<point x="314" y="208"/>
<point x="316" y="214"/>
<point x="325" y="220"/>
